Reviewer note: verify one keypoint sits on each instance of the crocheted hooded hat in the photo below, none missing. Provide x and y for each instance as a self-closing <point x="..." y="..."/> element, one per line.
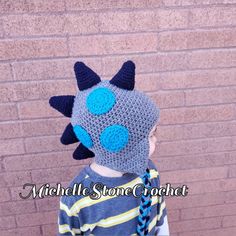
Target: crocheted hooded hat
<point x="110" y="119"/>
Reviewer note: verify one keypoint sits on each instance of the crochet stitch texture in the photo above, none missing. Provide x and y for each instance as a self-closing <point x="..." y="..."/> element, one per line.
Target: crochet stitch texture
<point x="132" y="110"/>
<point x="110" y="119"/>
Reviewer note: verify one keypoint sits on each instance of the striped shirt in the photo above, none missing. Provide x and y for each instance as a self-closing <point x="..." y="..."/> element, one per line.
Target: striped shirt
<point x="108" y="215"/>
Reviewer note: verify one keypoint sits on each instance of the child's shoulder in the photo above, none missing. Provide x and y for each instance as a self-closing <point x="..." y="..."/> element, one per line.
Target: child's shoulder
<point x="81" y="179"/>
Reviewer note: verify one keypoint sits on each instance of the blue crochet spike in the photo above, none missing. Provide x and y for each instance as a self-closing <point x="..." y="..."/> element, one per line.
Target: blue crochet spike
<point x="86" y="78"/>
<point x="81" y="152"/>
<point x="125" y="78"/>
<point x="63" y="104"/>
<point x="68" y="136"/>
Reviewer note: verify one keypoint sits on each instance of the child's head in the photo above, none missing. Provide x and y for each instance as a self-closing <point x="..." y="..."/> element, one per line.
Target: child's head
<point x="110" y="118"/>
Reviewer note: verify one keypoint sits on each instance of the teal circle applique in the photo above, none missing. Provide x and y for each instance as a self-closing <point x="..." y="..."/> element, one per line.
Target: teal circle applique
<point x="83" y="136"/>
<point x="100" y="101"/>
<point x="114" y="138"/>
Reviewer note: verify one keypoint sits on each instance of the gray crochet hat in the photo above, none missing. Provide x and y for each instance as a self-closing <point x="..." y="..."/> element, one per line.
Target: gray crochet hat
<point x="109" y="118"/>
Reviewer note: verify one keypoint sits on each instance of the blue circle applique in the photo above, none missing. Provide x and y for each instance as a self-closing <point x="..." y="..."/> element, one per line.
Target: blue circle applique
<point x="114" y="137"/>
<point x="100" y="101"/>
<point x="83" y="136"/>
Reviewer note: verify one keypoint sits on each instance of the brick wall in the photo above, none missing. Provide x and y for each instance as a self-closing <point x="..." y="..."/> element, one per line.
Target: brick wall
<point x="185" y="56"/>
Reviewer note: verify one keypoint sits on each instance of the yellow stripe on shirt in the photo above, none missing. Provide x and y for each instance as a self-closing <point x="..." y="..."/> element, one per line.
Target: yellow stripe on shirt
<point x="118" y="219"/>
<point x="66" y="228"/>
<point x="66" y="209"/>
<point x="152" y="224"/>
<point x="87" y="201"/>
<point x="163" y="205"/>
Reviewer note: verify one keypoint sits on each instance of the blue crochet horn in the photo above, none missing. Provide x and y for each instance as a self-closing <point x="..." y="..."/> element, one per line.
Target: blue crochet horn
<point x="86" y="77"/>
<point x="125" y="77"/>
<point x="63" y="104"/>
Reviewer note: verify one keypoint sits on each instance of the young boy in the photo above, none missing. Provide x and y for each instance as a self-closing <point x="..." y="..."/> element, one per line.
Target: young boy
<point x="116" y="125"/>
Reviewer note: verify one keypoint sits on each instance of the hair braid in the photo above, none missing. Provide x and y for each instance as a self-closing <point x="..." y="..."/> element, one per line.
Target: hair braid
<point x="145" y="207"/>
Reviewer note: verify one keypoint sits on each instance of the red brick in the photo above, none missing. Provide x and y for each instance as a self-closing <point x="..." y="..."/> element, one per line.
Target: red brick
<point x="173" y="215"/>
<point x="44" y="127"/>
<point x="147" y="82"/>
<point x="213" y="129"/>
<point x="178" y="40"/>
<point x="2" y="182"/>
<point x="169" y="133"/>
<point x="12" y="146"/>
<point x="198" y="78"/>
<point x="8" y="93"/>
<point x="34" y="219"/>
<point x="213" y="186"/>
<point x="212" y="58"/>
<point x="172" y="40"/>
<point x="178" y="3"/>
<point x="230" y="197"/>
<point x="212" y="38"/>
<point x="24" y="6"/>
<point x="16" y="178"/>
<point x="212" y="16"/>
<point x="147" y="63"/>
<point x="164" y="62"/>
<point x="7" y="222"/>
<point x="191" y="225"/>
<point x="5" y="195"/>
<point x="216" y="232"/>
<point x="32" y="231"/>
<point x="229" y="221"/>
<point x="192" y="2"/>
<point x="232" y="171"/>
<point x="34" y="25"/>
<point x="210" y="96"/>
<point x="79" y="5"/>
<point x="40" y="161"/>
<point x="128" y="21"/>
<point x="15" y="208"/>
<point x="45" y="144"/>
<point x="51" y="229"/>
<point x="51" y="69"/>
<point x="173" y="18"/>
<point x="1" y="29"/>
<point x="10" y="130"/>
<point x="190" y="201"/>
<point x="36" y="109"/>
<point x="44" y="89"/>
<point x="197" y="114"/>
<point x="195" y="161"/>
<point x="109" y="44"/>
<point x="200" y="146"/>
<point x="83" y="23"/>
<point x="55" y="174"/>
<point x="209" y="211"/>
<point x="31" y="48"/>
<point x="47" y="204"/>
<point x="146" y="20"/>
<point x="182" y="176"/>
<point x="5" y="71"/>
<point x="1" y="165"/>
<point x="165" y="99"/>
